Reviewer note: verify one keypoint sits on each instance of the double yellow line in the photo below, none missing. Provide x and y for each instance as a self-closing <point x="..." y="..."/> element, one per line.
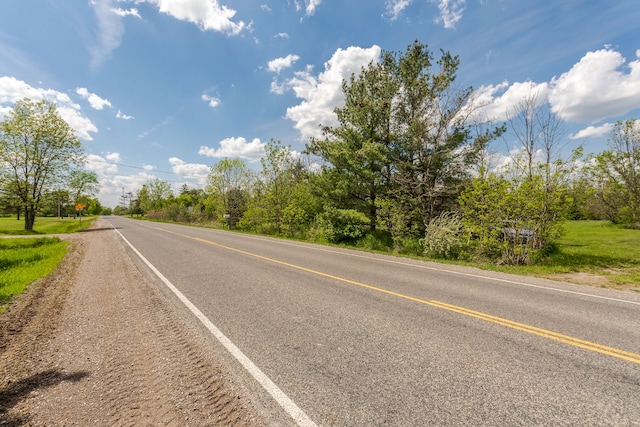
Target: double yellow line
<point x="555" y="336"/>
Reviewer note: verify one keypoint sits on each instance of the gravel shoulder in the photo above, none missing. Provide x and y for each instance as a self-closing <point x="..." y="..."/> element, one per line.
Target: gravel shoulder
<point x="96" y="343"/>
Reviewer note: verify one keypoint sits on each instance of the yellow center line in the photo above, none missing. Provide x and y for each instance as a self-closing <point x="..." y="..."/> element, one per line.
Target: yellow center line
<point x="555" y="336"/>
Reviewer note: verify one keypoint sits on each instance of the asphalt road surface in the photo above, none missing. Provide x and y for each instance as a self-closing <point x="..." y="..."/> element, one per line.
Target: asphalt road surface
<point x="328" y="336"/>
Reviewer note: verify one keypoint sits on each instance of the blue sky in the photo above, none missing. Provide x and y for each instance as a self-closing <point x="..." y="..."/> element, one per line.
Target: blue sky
<point x="166" y="88"/>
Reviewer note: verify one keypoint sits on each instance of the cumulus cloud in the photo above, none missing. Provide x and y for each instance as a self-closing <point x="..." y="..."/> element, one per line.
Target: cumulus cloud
<point x="451" y="12"/>
<point x="12" y="90"/>
<point x="196" y="171"/>
<point x="206" y="14"/>
<point x="94" y="100"/>
<point x="211" y="100"/>
<point x="277" y="87"/>
<point x="499" y="102"/>
<point x="597" y="87"/>
<point x="395" y="7"/>
<point x="593" y="131"/>
<point x="113" y="182"/>
<point x="321" y="94"/>
<point x="236" y="147"/>
<point x="279" y="64"/>
<point x="281" y="36"/>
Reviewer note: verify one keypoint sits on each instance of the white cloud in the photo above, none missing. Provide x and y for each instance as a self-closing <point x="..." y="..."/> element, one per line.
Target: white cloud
<point x="593" y="90"/>
<point x="236" y="147"/>
<point x="112" y="182"/>
<point x="451" y="12"/>
<point x="499" y="102"/>
<point x="395" y="8"/>
<point x="279" y="64"/>
<point x="323" y="93"/>
<point x="281" y="35"/>
<point x="110" y="31"/>
<point x="206" y="14"/>
<point x="597" y="87"/>
<point x="127" y="12"/>
<point x="94" y="100"/>
<point x="196" y="171"/>
<point x="277" y="87"/>
<point x="12" y="90"/>
<point x="265" y="7"/>
<point x="310" y="6"/>
<point x="102" y="165"/>
<point x="211" y="100"/>
<point x="593" y="131"/>
<point x="123" y="116"/>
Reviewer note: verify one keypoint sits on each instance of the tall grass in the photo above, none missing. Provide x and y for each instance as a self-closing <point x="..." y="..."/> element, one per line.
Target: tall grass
<point x="24" y="260"/>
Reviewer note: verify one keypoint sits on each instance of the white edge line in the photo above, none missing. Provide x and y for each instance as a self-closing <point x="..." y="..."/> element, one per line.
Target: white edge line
<point x="280" y="397"/>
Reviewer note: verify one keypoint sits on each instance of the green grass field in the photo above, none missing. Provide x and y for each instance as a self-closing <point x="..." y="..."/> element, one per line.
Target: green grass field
<point x="43" y="225"/>
<point x="601" y="252"/>
<point x="24" y="260"/>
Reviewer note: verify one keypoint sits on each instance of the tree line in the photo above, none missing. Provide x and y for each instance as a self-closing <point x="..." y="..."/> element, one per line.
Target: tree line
<point x="409" y="168"/>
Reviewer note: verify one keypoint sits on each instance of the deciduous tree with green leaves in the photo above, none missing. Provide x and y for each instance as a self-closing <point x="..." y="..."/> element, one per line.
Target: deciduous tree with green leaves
<point x="37" y="151"/>
<point x="154" y="195"/>
<point x="83" y="185"/>
<point x="619" y="169"/>
<point x="229" y="182"/>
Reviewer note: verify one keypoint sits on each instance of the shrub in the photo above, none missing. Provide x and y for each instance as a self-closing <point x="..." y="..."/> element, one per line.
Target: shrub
<point x="444" y="236"/>
<point x="339" y="225"/>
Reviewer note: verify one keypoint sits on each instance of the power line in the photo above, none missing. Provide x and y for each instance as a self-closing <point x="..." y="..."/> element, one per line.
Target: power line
<point x="133" y="167"/>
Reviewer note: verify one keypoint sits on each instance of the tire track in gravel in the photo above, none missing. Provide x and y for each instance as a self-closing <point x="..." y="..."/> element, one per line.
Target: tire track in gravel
<point x="121" y="354"/>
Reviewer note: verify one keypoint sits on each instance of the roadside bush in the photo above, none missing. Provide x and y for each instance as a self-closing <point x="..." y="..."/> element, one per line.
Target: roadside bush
<point x="339" y="225"/>
<point x="380" y="241"/>
<point x="444" y="236"/>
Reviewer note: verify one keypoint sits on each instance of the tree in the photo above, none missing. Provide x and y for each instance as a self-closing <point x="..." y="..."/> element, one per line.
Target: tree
<point x="538" y="164"/>
<point x="83" y="185"/>
<point x="436" y="143"/>
<point x="229" y="181"/>
<point x="619" y="169"/>
<point x="154" y="195"/>
<point x="405" y="144"/>
<point x="281" y="201"/>
<point x="358" y="172"/>
<point x="37" y="149"/>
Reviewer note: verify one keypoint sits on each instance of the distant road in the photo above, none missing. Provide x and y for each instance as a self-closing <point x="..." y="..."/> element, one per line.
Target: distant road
<point x="354" y="339"/>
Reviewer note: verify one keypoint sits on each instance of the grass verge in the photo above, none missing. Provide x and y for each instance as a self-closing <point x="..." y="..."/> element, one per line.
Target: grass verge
<point x="24" y="260"/>
<point x="44" y="225"/>
<point x="590" y="252"/>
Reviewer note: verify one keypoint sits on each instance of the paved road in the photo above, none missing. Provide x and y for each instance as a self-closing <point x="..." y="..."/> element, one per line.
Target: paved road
<point x="350" y="338"/>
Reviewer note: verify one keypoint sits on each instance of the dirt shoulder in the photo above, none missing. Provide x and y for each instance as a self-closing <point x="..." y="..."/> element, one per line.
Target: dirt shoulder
<point x="96" y="343"/>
